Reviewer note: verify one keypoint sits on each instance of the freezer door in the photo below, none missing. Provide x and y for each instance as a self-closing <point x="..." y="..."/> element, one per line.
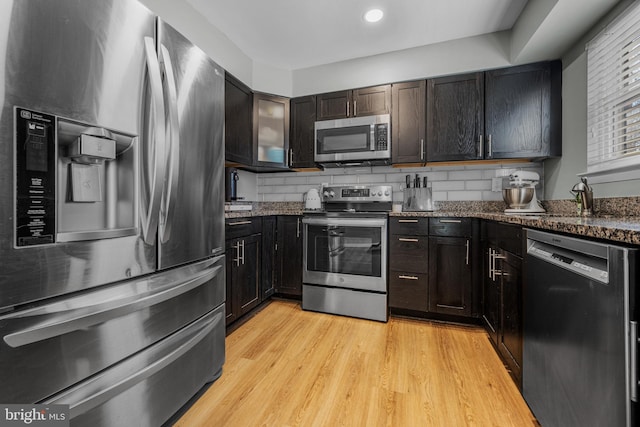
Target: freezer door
<point x="192" y="211"/>
<point x="49" y="347"/>
<point x="146" y="389"/>
<point x="84" y="61"/>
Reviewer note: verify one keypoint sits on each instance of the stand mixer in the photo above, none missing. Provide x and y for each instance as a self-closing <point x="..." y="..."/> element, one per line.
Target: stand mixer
<point x="520" y="194"/>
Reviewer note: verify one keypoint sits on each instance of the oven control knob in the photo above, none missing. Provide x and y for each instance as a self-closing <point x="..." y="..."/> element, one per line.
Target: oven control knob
<point x="332" y="193"/>
<point x="325" y="194"/>
<point x="379" y="193"/>
<point x="386" y="193"/>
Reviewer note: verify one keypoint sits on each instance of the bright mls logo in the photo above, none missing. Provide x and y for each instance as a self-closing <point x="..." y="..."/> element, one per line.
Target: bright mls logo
<point x="34" y="415"/>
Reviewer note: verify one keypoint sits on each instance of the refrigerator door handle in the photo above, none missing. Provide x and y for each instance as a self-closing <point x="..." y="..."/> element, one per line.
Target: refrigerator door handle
<point x="86" y="397"/>
<point x="80" y="318"/>
<point x="157" y="147"/>
<point x="173" y="149"/>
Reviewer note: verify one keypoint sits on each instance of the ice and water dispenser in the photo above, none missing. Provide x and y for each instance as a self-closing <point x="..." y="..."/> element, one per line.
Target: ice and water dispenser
<point x="74" y="181"/>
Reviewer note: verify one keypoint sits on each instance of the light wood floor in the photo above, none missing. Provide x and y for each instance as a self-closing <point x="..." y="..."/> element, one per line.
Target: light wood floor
<point x="288" y="367"/>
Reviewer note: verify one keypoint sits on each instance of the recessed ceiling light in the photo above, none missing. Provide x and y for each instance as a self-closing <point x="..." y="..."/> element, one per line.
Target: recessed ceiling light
<point x="373" y="15"/>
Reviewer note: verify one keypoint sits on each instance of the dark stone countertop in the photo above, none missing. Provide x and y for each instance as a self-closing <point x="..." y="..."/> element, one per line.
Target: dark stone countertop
<point x="625" y="229"/>
<point x="619" y="229"/>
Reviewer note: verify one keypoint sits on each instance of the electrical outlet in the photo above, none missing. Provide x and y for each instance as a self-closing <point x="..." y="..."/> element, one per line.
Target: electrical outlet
<point x="496" y="184"/>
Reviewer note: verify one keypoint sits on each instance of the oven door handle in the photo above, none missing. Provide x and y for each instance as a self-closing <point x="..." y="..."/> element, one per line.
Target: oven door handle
<point x="346" y="222"/>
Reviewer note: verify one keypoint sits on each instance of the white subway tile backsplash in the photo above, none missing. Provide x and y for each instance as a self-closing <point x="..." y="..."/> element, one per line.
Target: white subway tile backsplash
<point x="345" y="179"/>
<point x="464" y="195"/>
<point x="465" y="175"/>
<point x="294" y="179"/>
<point x="478" y="185"/>
<point x="449" y="183"/>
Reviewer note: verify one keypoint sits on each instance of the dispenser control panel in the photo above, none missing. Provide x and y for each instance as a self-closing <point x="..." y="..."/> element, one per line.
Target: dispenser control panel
<point x="35" y="157"/>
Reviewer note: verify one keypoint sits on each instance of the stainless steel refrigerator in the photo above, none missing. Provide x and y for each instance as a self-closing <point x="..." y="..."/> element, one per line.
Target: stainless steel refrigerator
<point x="111" y="211"/>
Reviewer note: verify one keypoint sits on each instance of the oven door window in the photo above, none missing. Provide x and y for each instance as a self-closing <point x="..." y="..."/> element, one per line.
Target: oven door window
<point x="344" y="140"/>
<point x="344" y="250"/>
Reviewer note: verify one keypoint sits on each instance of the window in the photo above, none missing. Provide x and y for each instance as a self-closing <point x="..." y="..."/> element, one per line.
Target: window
<point x="613" y="99"/>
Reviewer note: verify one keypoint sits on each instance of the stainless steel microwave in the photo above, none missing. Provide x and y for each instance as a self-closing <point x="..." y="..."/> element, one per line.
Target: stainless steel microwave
<point x="357" y="140"/>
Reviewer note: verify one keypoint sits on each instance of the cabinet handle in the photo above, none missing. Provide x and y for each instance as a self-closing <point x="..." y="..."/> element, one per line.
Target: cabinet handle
<point x="497" y="272"/>
<point x="237" y="257"/>
<point x="239" y="223"/>
<point x="402" y="276"/>
<point x="347" y="108"/>
<point x="467" y="256"/>
<point x="490" y="263"/>
<point x="243" y="252"/>
<point x="422" y="149"/>
<point x="633" y="350"/>
<point x="451" y="221"/>
<point x="481" y="146"/>
<point x="404" y="239"/>
<point x="412" y="221"/>
<point x="490" y="146"/>
<point x="355" y="108"/>
<point x="298" y="229"/>
<point x="290" y="157"/>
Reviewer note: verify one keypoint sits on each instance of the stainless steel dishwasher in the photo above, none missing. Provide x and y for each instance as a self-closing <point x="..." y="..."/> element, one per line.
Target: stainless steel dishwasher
<point x="580" y="338"/>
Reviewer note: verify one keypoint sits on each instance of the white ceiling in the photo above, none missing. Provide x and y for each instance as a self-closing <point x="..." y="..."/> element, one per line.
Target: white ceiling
<point x="295" y="34"/>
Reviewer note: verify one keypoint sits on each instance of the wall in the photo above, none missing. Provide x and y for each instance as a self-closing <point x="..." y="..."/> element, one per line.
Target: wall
<point x="452" y="57"/>
<point x="561" y="174"/>
<point x="452" y="183"/>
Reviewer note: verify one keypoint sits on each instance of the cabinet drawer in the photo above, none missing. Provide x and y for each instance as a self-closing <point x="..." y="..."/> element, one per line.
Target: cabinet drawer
<point x="412" y="226"/>
<point x="450" y="227"/>
<point x="238" y="227"/>
<point x="408" y="291"/>
<point x="408" y="253"/>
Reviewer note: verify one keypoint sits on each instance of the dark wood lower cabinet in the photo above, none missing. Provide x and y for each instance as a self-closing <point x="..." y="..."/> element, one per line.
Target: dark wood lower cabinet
<point x="510" y="337"/>
<point x="269" y="244"/>
<point x="432" y="270"/>
<point x="450" y="275"/>
<point x="289" y="256"/>
<point x="502" y="313"/>
<point x="243" y="275"/>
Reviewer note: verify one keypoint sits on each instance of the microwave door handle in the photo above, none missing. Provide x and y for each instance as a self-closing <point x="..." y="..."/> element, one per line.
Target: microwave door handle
<point x="173" y="152"/>
<point x="372" y="138"/>
<point x="156" y="142"/>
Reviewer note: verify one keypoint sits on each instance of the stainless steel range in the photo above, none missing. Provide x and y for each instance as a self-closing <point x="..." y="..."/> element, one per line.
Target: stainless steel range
<point x="345" y="253"/>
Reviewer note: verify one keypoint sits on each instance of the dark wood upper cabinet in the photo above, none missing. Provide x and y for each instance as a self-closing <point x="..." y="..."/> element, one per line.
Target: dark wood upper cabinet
<point x="455" y="122"/>
<point x="353" y="103"/>
<point x="523" y="111"/>
<point x="333" y="105"/>
<point x="408" y="122"/>
<point x="302" y="134"/>
<point x="507" y="113"/>
<point x="238" y="101"/>
<point x="369" y="101"/>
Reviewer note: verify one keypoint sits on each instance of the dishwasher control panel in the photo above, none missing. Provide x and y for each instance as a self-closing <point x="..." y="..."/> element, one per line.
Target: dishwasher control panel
<point x="592" y="266"/>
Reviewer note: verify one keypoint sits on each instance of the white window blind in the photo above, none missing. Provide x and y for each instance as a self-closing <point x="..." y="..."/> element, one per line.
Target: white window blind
<point x="613" y="95"/>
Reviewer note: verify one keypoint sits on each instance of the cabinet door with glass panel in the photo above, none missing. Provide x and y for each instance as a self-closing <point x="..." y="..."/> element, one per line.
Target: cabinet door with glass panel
<point x="270" y="130"/>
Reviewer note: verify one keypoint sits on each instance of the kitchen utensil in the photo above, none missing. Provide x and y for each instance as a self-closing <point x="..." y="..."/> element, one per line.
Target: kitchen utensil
<point x="517" y="197"/>
<point x="408" y="181"/>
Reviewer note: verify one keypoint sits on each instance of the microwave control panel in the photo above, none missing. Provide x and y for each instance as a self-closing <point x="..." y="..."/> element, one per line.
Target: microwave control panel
<point x="35" y="178"/>
<point x="382" y="136"/>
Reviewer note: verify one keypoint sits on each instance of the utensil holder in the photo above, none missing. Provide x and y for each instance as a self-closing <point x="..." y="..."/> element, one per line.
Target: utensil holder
<point x="417" y="199"/>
